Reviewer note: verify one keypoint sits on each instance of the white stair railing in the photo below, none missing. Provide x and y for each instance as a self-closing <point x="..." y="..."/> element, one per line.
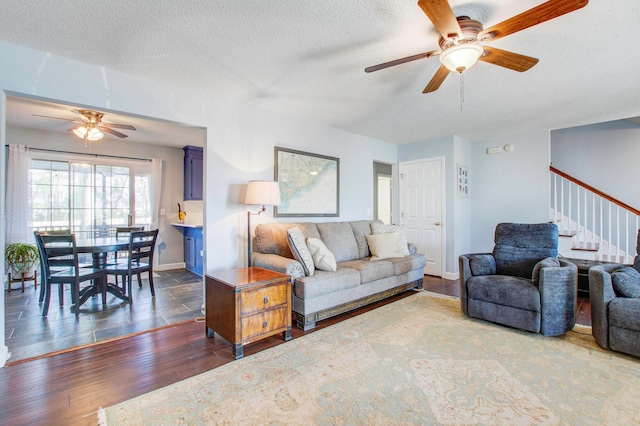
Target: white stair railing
<point x="597" y="222"/>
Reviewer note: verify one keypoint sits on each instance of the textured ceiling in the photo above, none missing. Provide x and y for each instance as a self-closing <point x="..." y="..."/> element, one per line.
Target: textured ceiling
<point x="307" y="59"/>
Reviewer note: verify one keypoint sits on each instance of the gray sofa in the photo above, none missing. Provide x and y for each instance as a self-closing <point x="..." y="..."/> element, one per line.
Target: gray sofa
<point x="357" y="280"/>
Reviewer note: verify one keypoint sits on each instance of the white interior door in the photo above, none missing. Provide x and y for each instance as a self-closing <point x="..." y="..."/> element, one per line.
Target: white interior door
<point x="421" y="209"/>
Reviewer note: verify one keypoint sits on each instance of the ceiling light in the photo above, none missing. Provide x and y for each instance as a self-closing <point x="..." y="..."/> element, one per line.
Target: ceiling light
<point x="461" y="57"/>
<point x="88" y="133"/>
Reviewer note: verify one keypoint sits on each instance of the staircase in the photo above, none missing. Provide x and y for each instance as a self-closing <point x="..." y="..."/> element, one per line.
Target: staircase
<point x="592" y="224"/>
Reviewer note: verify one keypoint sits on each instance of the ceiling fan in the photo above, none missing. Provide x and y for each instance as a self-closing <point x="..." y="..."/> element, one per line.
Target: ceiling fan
<point x="91" y="127"/>
<point x="462" y="40"/>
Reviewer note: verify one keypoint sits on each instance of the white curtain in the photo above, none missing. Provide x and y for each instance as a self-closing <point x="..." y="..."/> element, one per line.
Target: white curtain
<point x="156" y="189"/>
<point x="18" y="195"/>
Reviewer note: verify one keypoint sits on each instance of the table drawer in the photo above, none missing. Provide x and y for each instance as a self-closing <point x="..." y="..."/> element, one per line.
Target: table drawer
<point x="263" y="298"/>
<point x="264" y="322"/>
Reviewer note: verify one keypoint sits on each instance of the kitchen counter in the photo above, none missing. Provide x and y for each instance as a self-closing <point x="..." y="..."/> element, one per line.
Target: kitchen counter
<point x="187" y="225"/>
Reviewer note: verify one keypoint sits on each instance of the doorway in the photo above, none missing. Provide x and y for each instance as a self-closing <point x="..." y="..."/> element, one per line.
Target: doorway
<point x="422" y="209"/>
<point x="21" y="124"/>
<point x="382" y="192"/>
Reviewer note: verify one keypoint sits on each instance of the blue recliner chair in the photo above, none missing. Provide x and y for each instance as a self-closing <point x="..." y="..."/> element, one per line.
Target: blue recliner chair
<point x="522" y="283"/>
<point x="615" y="305"/>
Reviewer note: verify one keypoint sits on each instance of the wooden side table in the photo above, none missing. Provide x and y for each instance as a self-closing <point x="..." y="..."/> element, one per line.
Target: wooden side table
<point x="248" y="304"/>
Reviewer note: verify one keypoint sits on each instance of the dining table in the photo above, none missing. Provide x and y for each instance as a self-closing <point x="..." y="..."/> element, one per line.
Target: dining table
<point x="100" y="247"/>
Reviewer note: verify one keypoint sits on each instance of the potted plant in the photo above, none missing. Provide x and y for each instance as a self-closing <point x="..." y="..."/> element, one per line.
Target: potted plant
<point x="21" y="259"/>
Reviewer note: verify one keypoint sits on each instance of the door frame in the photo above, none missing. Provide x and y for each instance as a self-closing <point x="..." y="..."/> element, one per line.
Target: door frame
<point x="443" y="197"/>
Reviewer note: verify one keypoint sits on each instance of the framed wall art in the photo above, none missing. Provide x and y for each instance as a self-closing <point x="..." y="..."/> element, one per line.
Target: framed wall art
<point x="463" y="180"/>
<point x="309" y="184"/>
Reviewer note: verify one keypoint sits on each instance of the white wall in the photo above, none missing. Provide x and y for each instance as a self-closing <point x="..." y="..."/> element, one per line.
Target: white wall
<point x="238" y="148"/>
<point x="603" y="155"/>
<point x="170" y="251"/>
<point x="461" y="205"/>
<point x="508" y="187"/>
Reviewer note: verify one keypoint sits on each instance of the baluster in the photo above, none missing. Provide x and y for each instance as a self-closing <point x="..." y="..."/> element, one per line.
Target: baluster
<point x="609" y="234"/>
<point x="602" y="253"/>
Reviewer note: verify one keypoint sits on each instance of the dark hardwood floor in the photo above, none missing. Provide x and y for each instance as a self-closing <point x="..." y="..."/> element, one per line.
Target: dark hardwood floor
<point x="68" y="388"/>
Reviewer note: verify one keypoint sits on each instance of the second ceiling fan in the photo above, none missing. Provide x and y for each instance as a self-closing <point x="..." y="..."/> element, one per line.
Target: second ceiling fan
<point x="462" y="39"/>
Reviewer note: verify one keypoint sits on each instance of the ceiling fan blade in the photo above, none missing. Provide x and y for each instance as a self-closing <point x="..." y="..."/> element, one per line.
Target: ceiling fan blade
<point x="437" y="80"/>
<point x="539" y="14"/>
<point x="57" y="118"/>
<point x="113" y="132"/>
<point x="119" y="126"/>
<point x="503" y="58"/>
<point x="401" y="61"/>
<point x="440" y="13"/>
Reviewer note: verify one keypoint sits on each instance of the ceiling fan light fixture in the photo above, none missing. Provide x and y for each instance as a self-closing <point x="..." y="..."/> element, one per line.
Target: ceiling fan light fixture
<point x="90" y="133"/>
<point x="461" y="57"/>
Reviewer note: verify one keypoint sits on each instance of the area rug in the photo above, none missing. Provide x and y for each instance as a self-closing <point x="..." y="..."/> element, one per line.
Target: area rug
<point x="414" y="361"/>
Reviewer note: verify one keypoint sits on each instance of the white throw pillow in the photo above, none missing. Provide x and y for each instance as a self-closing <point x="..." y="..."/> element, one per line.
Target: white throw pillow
<point x="381" y="228"/>
<point x="323" y="259"/>
<point x="384" y="246"/>
<point x="300" y="251"/>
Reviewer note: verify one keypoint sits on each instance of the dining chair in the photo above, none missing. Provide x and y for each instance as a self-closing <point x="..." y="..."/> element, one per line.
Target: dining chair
<point x="139" y="259"/>
<point x="122" y="231"/>
<point x="59" y="257"/>
<point x="42" y="256"/>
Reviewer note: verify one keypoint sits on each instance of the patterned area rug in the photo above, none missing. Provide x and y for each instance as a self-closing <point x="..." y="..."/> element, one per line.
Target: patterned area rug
<point x="415" y="361"/>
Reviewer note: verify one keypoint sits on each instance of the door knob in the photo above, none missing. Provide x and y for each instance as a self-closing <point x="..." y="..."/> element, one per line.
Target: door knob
<point x="437" y="223"/>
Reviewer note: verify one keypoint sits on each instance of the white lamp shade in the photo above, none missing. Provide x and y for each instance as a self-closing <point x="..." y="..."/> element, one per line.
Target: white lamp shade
<point x="263" y="193"/>
<point x="461" y="57"/>
<point x="95" y="134"/>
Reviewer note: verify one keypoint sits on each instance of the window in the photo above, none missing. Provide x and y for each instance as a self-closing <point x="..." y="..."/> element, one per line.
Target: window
<point x="91" y="199"/>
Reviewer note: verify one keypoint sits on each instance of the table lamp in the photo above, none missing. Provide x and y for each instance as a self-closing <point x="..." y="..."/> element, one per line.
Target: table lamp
<point x="259" y="192"/>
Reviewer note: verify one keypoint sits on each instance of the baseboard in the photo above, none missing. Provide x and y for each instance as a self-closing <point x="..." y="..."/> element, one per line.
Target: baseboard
<point x="170" y="266"/>
<point x="4" y="356"/>
<point x="451" y="276"/>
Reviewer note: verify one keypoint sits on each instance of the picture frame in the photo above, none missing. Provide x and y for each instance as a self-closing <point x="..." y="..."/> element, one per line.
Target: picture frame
<point x="463" y="180"/>
<point x="309" y="184"/>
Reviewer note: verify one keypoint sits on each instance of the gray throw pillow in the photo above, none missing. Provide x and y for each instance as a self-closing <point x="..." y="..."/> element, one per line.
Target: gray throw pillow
<point x="549" y="262"/>
<point x="482" y="264"/>
<point x="300" y="251"/>
<point x="626" y="282"/>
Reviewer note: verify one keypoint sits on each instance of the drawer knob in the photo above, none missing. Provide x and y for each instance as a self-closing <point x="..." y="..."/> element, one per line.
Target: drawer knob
<point x="265" y="300"/>
<point x="264" y="324"/>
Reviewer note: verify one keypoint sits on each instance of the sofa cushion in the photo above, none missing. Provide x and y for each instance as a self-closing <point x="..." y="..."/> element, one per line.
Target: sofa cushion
<point x="384" y="246"/>
<point x="519" y="246"/>
<point x="300" y="251"/>
<point x="381" y="228"/>
<point x="408" y="263"/>
<point x="482" y="264"/>
<point x="323" y="258"/>
<point x="360" y="229"/>
<point x="505" y="290"/>
<point x="371" y="271"/>
<point x="271" y="238"/>
<point x="323" y="282"/>
<point x="339" y="239"/>
<point x="626" y="282"/>
<point x="548" y="262"/>
<point x="624" y="313"/>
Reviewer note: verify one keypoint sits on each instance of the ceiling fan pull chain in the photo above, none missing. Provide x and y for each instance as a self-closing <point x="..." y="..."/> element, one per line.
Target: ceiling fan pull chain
<point x="461" y="91"/>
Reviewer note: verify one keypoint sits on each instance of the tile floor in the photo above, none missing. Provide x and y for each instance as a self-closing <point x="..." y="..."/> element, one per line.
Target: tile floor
<point x="179" y="297"/>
